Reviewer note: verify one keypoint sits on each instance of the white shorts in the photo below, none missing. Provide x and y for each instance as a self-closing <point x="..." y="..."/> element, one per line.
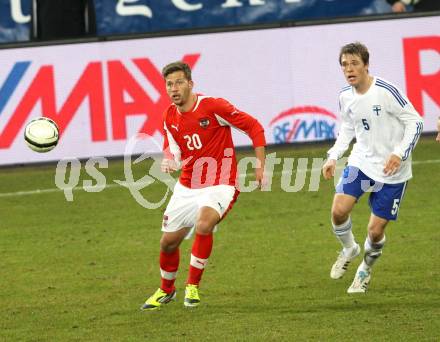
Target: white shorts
<point x="183" y="207"/>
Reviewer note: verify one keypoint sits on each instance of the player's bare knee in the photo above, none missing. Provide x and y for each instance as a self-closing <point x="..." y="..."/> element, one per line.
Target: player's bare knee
<point x="168" y="248"/>
<point x="164" y="247"/>
<point x="376" y="232"/>
<point x="168" y="245"/>
<point x="339" y="215"/>
<point x="204" y="227"/>
<point x="375" y="236"/>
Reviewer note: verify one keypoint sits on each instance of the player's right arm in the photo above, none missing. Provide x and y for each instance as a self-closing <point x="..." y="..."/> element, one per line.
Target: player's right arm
<point x="345" y="136"/>
<point x="171" y="151"/>
<point x="328" y="169"/>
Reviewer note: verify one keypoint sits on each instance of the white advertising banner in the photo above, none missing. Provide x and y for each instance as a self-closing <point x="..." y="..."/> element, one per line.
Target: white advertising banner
<point x="102" y="94"/>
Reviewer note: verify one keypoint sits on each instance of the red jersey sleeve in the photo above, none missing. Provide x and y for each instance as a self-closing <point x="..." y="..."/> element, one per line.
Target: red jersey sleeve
<point x="229" y="115"/>
<point x="166" y="145"/>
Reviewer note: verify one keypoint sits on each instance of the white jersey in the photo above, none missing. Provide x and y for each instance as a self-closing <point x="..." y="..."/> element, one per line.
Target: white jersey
<point x="383" y="122"/>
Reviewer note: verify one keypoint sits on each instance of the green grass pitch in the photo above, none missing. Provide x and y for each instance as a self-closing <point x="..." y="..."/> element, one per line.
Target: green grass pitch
<point x="78" y="271"/>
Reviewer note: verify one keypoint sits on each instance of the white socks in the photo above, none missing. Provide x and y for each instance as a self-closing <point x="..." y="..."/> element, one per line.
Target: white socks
<point x="345" y="236"/>
<point x="373" y="250"/>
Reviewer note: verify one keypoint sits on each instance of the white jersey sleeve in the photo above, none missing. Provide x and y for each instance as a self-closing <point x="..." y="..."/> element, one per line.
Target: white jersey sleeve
<point x="346" y="132"/>
<point x="404" y="111"/>
<point x="173" y="146"/>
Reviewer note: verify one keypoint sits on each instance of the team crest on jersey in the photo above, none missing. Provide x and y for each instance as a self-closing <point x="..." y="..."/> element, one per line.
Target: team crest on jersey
<point x="204" y="122"/>
<point x="377" y="109"/>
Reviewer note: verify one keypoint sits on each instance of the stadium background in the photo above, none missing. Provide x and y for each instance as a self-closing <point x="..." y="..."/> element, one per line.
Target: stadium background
<point x="104" y="89"/>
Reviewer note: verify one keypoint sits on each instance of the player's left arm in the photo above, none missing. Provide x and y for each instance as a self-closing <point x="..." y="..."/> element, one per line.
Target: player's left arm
<point x="228" y="114"/>
<point x="260" y="154"/>
<point x="413" y="124"/>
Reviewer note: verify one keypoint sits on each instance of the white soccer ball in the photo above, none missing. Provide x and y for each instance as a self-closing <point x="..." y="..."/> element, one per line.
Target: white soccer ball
<point x="41" y="134"/>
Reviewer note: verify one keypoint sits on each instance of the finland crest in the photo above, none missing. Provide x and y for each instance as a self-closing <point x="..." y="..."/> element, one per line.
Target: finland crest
<point x="377" y="109"/>
<point x="204" y="122"/>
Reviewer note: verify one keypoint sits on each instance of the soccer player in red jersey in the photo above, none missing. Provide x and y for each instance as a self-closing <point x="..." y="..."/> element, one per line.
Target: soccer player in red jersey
<point x="198" y="140"/>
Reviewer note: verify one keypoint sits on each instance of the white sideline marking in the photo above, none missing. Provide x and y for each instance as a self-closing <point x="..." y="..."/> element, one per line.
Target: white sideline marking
<point x="46" y="191"/>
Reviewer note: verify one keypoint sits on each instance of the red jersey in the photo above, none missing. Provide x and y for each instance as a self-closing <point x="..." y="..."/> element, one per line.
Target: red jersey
<point x="201" y="139"/>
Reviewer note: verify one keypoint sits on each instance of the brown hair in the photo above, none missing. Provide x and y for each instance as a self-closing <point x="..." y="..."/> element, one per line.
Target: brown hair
<point x="177" y="66"/>
<point x="355" y="48"/>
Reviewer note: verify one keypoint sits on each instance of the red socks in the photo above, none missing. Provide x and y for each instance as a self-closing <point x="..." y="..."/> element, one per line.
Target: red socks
<point x="201" y="250"/>
<point x="169" y="263"/>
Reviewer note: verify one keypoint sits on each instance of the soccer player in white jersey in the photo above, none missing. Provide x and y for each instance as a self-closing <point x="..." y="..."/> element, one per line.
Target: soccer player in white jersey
<point x="198" y="134"/>
<point x="386" y="128"/>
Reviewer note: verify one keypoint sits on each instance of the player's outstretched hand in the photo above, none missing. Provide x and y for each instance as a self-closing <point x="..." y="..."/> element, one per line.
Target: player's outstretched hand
<point x="168" y="165"/>
<point x="328" y="169"/>
<point x="259" y="177"/>
<point x="392" y="165"/>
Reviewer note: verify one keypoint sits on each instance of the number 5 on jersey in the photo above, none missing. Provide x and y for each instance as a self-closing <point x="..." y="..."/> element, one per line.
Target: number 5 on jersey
<point x="193" y="142"/>
<point x="366" y="125"/>
<point x="395" y="208"/>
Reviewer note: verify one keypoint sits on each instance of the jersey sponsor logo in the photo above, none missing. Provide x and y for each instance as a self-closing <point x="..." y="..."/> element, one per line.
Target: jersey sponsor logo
<point x="87" y="97"/>
<point x="204" y="122"/>
<point x="303" y="124"/>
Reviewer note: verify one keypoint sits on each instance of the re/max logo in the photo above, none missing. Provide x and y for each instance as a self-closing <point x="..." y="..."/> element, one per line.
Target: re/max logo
<point x="90" y="85"/>
<point x="302" y="123"/>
